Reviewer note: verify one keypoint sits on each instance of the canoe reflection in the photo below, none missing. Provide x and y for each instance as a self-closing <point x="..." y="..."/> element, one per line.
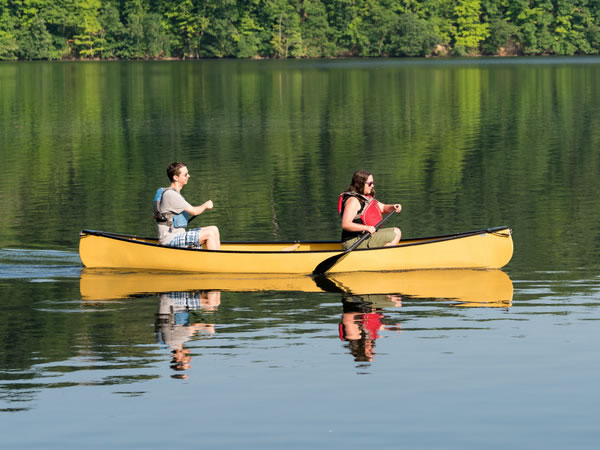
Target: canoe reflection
<point x="365" y="298"/>
<point x="173" y="326"/>
<point x="468" y="287"/>
<point x="489" y="288"/>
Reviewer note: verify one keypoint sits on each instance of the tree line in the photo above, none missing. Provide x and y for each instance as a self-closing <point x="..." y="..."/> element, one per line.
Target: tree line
<point x="156" y="29"/>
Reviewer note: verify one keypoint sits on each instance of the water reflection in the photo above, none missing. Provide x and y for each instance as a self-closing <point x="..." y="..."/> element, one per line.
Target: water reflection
<point x="362" y="323"/>
<point x="365" y="298"/>
<point x="100" y="339"/>
<point x="467" y="287"/>
<point x="174" y="325"/>
<point x="490" y="288"/>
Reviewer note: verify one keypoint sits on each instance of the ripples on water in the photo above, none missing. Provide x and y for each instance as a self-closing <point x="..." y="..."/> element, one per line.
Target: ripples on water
<point x="461" y="143"/>
<point x="293" y="353"/>
<point x="38" y="265"/>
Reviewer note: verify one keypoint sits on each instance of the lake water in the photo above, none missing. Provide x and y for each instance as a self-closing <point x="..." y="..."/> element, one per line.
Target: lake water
<point x="94" y="359"/>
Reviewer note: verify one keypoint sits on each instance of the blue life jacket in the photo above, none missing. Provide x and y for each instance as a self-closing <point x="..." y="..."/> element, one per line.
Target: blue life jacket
<point x="172" y="220"/>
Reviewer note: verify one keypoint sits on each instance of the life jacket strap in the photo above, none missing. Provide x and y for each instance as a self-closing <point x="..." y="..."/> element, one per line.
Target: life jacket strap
<point x="171" y="219"/>
<point x="369" y="214"/>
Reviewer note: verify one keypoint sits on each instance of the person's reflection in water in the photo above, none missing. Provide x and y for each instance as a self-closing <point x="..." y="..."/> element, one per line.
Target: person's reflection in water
<point x="173" y="327"/>
<point x="362" y="321"/>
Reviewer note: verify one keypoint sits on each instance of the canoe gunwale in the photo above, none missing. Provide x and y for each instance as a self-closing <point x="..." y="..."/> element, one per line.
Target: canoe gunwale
<point x="417" y="241"/>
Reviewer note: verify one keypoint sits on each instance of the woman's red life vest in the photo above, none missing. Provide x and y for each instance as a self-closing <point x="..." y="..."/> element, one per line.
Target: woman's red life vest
<point x="369" y="214"/>
<point x="370" y="324"/>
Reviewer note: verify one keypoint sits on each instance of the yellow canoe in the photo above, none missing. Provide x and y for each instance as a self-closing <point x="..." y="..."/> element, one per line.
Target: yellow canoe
<point x="474" y="287"/>
<point x="490" y="248"/>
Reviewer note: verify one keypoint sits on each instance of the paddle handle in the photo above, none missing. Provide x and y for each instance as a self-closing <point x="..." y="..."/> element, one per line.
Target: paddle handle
<point x="327" y="264"/>
<point x="367" y="234"/>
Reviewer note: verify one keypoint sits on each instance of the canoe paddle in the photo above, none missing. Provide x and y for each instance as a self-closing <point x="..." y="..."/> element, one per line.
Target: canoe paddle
<point x="328" y="263"/>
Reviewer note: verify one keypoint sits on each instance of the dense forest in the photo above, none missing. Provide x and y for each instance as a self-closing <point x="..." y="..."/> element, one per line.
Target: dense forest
<point x="155" y="29"/>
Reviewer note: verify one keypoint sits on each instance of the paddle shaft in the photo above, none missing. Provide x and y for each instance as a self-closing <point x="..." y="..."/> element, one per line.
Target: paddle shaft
<point x="328" y="263"/>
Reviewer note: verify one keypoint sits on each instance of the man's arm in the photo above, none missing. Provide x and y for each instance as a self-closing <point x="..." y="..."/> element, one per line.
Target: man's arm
<point x="196" y="210"/>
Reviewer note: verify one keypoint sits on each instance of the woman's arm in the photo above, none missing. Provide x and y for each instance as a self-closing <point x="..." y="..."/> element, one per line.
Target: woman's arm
<point x="389" y="208"/>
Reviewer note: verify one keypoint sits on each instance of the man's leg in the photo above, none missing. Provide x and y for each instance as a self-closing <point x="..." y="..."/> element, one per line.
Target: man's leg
<point x="210" y="236"/>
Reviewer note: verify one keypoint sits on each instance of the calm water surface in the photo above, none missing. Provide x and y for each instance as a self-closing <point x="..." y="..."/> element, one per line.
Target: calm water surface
<point x="96" y="359"/>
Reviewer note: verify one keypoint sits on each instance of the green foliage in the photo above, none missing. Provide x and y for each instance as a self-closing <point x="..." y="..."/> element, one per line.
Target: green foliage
<point x="284" y="28"/>
<point x="373" y="28"/>
<point x="142" y="29"/>
<point x="412" y="37"/>
<point x="218" y="21"/>
<point x="89" y="41"/>
<point x="247" y="37"/>
<point x="35" y="42"/>
<point x="315" y="30"/>
<point x="157" y="42"/>
<point x="8" y="41"/>
<point x="469" y="29"/>
<point x="186" y="25"/>
<point x="113" y="31"/>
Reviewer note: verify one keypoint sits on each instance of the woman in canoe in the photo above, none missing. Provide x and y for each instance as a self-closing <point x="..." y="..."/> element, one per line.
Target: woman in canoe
<point x="360" y="212"/>
<point x="172" y="214"/>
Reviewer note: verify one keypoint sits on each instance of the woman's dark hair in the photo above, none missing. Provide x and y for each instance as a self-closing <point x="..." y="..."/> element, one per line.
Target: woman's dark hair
<point x="359" y="179"/>
<point x="173" y="170"/>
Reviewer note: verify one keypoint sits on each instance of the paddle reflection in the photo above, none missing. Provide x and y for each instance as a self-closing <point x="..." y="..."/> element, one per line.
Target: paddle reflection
<point x="362" y="323"/>
<point x="174" y="327"/>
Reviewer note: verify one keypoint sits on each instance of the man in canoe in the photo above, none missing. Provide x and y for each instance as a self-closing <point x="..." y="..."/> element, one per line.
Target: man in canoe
<point x="172" y="214"/>
<point x="360" y="213"/>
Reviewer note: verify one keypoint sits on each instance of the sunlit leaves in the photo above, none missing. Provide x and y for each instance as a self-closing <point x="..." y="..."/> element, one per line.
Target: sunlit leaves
<point x="142" y="29"/>
<point x="8" y="41"/>
<point x="89" y="42"/>
<point x="470" y="31"/>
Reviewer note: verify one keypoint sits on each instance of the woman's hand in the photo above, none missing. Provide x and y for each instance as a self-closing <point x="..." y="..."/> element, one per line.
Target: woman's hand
<point x="389" y="208"/>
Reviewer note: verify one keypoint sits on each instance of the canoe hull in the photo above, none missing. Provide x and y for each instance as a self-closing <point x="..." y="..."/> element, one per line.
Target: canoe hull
<point x="481" y="249"/>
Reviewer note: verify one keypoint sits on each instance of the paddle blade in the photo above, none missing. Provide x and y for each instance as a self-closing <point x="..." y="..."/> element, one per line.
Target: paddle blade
<point x="326" y="264"/>
<point x="326" y="284"/>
